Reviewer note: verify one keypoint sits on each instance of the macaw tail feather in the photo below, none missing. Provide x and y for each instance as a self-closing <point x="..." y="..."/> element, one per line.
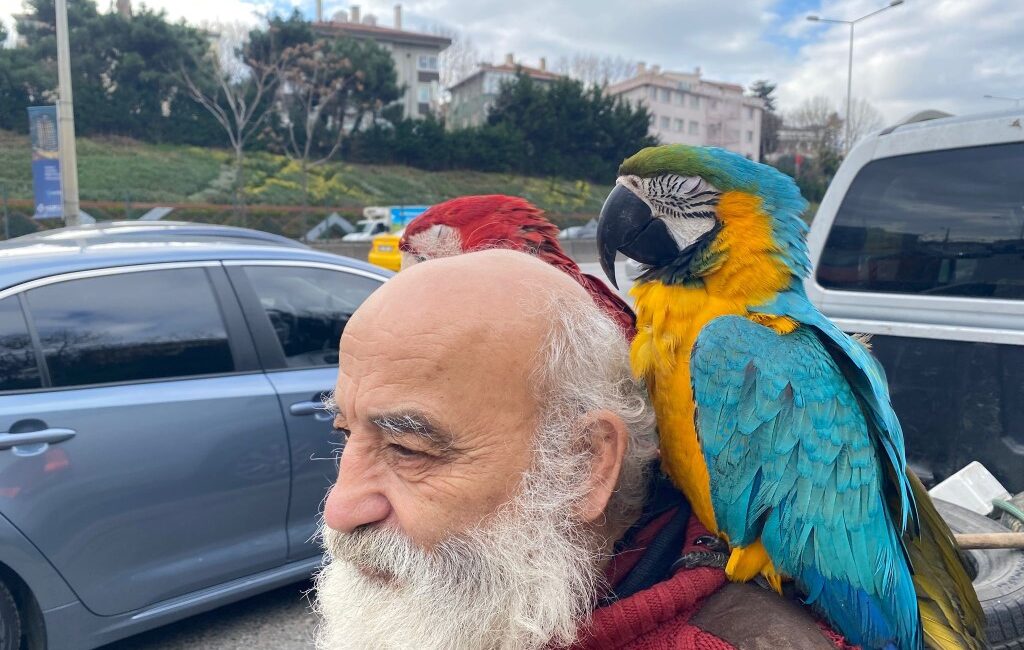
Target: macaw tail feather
<point x="951" y="616"/>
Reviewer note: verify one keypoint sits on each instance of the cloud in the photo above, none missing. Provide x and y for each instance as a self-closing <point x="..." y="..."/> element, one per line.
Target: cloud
<point x="943" y="54"/>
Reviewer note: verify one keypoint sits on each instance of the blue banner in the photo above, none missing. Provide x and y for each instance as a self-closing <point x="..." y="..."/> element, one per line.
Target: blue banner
<point x="42" y="121"/>
<point x="401" y="215"/>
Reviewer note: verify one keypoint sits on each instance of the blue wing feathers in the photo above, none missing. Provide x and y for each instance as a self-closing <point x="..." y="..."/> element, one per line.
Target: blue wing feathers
<point x="795" y="461"/>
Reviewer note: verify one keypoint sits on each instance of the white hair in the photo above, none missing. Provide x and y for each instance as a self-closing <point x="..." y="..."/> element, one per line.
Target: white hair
<point x="583" y="366"/>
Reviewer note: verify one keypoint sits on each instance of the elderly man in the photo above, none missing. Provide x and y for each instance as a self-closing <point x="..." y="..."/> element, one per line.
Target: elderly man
<point x="497" y="487"/>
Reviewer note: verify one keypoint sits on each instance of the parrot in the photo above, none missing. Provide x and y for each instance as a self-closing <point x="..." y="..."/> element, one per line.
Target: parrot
<point x="775" y="424"/>
<point x="471" y="223"/>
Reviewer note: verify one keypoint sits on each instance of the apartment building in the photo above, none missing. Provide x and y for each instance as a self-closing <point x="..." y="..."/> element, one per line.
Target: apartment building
<point x="688" y="109"/>
<point x="473" y="96"/>
<point x="415" y="54"/>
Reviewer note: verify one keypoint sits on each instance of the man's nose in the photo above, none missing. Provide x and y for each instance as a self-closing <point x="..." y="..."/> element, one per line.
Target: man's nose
<point x="356" y="499"/>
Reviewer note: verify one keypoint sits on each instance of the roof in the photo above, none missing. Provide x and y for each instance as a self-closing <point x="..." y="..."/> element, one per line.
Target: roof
<point x="533" y="73"/>
<point x="109" y="231"/>
<point x="376" y="32"/>
<point x="671" y="80"/>
<point x="79" y="249"/>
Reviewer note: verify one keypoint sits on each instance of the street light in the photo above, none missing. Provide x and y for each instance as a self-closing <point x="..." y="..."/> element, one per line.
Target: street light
<point x="849" y="65"/>
<point x="1016" y="100"/>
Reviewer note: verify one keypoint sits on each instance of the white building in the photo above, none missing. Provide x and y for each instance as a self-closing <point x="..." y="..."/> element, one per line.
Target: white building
<point x="688" y="109"/>
<point x="415" y="54"/>
<point x="473" y="96"/>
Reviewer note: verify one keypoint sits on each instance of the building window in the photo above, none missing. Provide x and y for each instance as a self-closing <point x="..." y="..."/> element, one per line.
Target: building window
<point x="694" y="101"/>
<point x="664" y="123"/>
<point x="494" y="80"/>
<point x="750" y="136"/>
<point x="714" y="104"/>
<point x="680" y="98"/>
<point x="653" y="93"/>
<point x="666" y="95"/>
<point x="694" y="128"/>
<point x="427" y="62"/>
<point x="750" y="113"/>
<point x="423" y="93"/>
<point x="678" y="125"/>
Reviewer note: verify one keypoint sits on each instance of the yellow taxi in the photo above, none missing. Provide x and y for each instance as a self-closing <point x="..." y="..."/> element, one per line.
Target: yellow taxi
<point x="384" y="251"/>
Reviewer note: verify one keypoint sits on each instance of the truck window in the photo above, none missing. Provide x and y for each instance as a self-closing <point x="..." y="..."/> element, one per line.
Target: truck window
<point x="939" y="223"/>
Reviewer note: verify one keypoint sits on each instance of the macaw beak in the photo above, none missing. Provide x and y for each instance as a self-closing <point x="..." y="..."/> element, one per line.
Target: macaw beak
<point x="627" y="225"/>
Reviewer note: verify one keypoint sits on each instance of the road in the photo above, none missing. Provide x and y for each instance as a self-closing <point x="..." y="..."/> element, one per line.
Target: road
<point x="277" y="620"/>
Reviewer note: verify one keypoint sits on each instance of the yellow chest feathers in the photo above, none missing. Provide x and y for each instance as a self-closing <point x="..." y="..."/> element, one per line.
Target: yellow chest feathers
<point x="669" y="318"/>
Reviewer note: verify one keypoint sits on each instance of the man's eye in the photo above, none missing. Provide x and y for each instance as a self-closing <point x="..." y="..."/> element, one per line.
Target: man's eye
<point x="341" y="433"/>
<point x="405" y="452"/>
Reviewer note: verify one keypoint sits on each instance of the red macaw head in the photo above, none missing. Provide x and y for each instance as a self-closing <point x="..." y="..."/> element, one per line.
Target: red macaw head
<point x="472" y="223"/>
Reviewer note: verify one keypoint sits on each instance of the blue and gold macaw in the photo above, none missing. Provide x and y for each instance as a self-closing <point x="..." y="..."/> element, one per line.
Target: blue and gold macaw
<point x="775" y="424"/>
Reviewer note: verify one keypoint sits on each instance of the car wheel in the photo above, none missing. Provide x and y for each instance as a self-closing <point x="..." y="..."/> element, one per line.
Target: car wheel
<point x="10" y="621"/>
<point x="998" y="578"/>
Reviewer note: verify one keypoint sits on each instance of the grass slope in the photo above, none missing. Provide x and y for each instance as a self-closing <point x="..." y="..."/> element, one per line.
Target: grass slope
<point x="123" y="170"/>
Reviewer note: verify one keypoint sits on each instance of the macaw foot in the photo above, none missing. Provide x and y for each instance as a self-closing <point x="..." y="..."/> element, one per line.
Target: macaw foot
<point x="747" y="562"/>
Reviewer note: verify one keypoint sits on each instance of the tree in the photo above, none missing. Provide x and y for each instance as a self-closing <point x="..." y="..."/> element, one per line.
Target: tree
<point x="863" y="118"/>
<point x="236" y="85"/>
<point x="593" y="69"/>
<point x="124" y="71"/>
<point x="458" y="60"/>
<point x="818" y="116"/>
<point x="570" y="129"/>
<point x="770" y="121"/>
<point x="327" y="88"/>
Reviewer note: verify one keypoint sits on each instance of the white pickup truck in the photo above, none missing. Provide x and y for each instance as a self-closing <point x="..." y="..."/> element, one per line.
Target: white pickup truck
<point x="919" y="242"/>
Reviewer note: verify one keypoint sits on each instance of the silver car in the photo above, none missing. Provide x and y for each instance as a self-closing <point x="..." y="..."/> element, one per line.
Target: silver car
<point x="162" y="447"/>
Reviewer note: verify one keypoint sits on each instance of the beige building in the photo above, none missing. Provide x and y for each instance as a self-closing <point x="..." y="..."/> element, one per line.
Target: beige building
<point x="472" y="97"/>
<point x="415" y="54"/>
<point x="688" y="109"/>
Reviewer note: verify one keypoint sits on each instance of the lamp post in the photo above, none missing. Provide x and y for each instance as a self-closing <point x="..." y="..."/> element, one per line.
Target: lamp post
<point x="66" y="120"/>
<point x="1016" y="100"/>
<point x="849" y="64"/>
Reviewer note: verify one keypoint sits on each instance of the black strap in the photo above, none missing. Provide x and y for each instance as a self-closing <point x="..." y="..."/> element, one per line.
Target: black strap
<point x="656" y="563"/>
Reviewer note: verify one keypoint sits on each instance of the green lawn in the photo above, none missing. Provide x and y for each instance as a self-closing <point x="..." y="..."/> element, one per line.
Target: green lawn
<point x="127" y="171"/>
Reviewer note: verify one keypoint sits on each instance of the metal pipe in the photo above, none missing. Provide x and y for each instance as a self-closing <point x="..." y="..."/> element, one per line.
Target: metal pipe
<point x="989" y="541"/>
<point x="66" y="120"/>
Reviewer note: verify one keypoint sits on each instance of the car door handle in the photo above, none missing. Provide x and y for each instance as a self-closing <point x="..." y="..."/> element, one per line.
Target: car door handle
<point x="314" y="408"/>
<point x="51" y="436"/>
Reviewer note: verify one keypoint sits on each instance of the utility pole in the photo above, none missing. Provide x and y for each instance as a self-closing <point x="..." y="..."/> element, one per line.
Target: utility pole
<point x="849" y="61"/>
<point x="66" y="120"/>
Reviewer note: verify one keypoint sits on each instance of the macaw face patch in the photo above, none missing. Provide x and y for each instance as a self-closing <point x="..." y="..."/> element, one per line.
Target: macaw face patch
<point x="685" y="203"/>
<point x="434" y="242"/>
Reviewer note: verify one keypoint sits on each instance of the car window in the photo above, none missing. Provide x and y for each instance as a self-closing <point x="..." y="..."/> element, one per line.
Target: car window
<point x="18" y="368"/>
<point x="308" y="308"/>
<point x="130" y="327"/>
<point x="940" y="223"/>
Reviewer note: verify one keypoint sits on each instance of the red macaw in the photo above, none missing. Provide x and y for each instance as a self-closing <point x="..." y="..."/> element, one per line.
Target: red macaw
<point x="472" y="223"/>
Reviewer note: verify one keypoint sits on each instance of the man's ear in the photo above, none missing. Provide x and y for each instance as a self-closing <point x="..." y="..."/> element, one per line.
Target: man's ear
<point x="608" y="437"/>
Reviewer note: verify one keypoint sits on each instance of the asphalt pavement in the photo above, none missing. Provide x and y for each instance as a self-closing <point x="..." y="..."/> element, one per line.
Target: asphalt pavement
<point x="277" y="620"/>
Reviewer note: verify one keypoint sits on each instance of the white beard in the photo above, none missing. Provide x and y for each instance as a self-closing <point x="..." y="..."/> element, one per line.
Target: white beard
<point x="526" y="579"/>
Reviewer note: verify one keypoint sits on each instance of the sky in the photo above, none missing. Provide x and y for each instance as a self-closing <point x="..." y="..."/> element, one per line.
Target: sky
<point x="938" y="54"/>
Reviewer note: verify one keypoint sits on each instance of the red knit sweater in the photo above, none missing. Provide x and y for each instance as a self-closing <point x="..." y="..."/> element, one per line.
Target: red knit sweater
<point x="659" y="618"/>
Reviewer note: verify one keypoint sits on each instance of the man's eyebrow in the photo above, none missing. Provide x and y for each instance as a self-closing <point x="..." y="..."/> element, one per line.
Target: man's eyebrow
<point x="405" y="423"/>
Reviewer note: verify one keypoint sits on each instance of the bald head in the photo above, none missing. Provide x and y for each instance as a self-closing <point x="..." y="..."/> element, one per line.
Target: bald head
<point x="492" y="297"/>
